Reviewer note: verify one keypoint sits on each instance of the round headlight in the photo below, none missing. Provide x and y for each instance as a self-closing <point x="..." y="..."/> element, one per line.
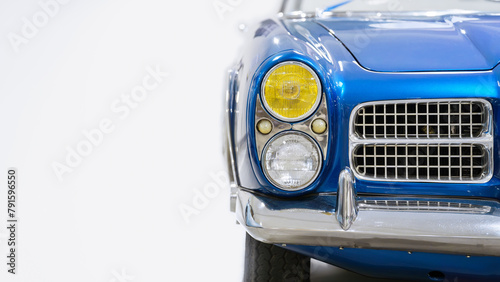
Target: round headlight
<point x="291" y="161"/>
<point x="291" y="91"/>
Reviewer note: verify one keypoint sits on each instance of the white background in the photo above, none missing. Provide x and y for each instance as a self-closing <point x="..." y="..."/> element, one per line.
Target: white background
<point x="116" y="216"/>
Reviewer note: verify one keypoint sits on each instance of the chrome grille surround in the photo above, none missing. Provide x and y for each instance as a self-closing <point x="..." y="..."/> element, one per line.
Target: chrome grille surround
<point x="450" y="147"/>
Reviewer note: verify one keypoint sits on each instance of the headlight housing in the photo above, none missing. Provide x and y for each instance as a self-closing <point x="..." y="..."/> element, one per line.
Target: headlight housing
<point x="291" y="161"/>
<point x="291" y="91"/>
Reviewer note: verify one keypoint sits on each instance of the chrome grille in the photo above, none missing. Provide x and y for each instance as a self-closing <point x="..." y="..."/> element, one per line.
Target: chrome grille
<point x="422" y="140"/>
<point x="428" y="119"/>
<point x="421" y="161"/>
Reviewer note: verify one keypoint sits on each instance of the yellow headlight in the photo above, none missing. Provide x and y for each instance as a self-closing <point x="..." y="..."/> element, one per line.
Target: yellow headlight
<point x="291" y="91"/>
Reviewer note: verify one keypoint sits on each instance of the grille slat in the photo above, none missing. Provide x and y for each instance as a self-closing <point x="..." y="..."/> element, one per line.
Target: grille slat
<point x="422" y="140"/>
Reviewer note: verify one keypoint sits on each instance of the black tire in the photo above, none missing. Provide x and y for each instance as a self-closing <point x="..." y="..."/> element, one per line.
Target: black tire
<point x="265" y="262"/>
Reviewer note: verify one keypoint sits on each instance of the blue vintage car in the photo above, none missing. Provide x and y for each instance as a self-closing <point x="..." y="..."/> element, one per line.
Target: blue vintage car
<point x="364" y="134"/>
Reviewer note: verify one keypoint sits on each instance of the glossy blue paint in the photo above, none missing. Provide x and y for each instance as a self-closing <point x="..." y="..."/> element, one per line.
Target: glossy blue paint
<point x="347" y="83"/>
<point x="444" y="43"/>
<point x="403" y="265"/>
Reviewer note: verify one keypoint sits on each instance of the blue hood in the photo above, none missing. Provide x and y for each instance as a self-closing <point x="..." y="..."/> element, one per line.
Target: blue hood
<point x="451" y="43"/>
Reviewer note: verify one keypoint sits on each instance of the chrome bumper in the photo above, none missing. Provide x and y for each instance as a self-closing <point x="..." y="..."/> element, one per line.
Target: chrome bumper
<point x="452" y="226"/>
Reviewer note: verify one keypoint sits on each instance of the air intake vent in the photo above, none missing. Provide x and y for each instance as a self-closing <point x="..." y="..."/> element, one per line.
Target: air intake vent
<point x="423" y="161"/>
<point x="422" y="141"/>
<point x="430" y="119"/>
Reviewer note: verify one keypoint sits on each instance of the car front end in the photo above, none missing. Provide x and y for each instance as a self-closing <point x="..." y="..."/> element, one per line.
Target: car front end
<point x="344" y="148"/>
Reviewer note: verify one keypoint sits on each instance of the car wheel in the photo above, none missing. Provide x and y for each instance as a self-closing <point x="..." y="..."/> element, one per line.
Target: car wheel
<point x="266" y="262"/>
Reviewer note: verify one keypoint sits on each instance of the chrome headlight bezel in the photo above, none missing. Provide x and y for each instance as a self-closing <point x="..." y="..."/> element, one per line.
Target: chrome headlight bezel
<point x="311" y="180"/>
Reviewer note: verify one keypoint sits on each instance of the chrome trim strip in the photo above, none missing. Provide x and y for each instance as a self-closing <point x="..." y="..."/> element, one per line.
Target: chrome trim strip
<point x="234" y="180"/>
<point x="298" y="14"/>
<point x="480" y="140"/>
<point x="347" y="209"/>
<point x="485" y="140"/>
<point x="421" y="206"/>
<point x="311" y="221"/>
